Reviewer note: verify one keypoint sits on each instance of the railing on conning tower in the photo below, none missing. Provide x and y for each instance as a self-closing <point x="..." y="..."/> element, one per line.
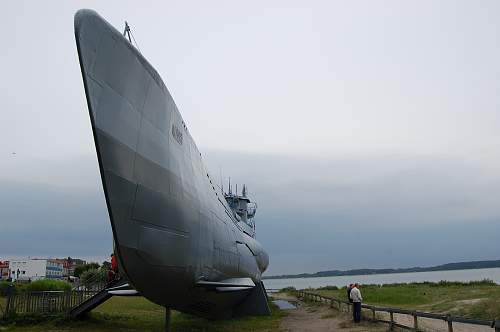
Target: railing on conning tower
<point x="251" y="209"/>
<point x="243" y="208"/>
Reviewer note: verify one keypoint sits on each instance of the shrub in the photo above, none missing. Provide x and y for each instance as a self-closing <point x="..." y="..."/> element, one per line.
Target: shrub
<point x="288" y="290"/>
<point x="4" y="285"/>
<point x="328" y="288"/>
<point x="82" y="268"/>
<point x="444" y="283"/>
<point x="93" y="276"/>
<point x="47" y="285"/>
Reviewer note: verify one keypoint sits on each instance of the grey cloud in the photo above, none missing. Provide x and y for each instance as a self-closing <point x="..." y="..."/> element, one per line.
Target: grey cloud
<point x="324" y="213"/>
<point x="375" y="212"/>
<point x="351" y="92"/>
<point x="46" y="220"/>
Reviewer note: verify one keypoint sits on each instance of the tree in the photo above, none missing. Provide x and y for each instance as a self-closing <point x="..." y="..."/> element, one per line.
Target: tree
<point x="106" y="265"/>
<point x="93" y="277"/>
<point x="79" y="269"/>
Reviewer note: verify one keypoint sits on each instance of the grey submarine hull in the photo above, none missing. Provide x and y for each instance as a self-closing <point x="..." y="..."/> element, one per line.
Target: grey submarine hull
<point x="175" y="237"/>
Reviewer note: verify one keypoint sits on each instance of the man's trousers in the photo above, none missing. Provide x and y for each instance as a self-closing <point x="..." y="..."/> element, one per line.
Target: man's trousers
<point x="356" y="311"/>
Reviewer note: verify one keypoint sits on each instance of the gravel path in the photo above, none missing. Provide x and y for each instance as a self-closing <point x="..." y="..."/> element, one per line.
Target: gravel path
<point x="310" y="317"/>
<point x="315" y="318"/>
<point x="436" y="325"/>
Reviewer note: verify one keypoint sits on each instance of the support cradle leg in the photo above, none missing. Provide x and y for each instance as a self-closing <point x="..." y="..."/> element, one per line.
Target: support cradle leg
<point x="168" y="317"/>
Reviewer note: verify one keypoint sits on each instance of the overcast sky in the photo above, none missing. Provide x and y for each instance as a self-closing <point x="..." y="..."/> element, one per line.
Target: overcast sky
<point x="367" y="131"/>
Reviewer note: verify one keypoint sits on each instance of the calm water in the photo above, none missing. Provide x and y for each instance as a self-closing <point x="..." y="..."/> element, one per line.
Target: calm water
<point x="457" y="275"/>
<point x="284" y="305"/>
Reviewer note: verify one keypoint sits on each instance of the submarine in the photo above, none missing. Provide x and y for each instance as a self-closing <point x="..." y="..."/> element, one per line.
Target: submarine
<point x="179" y="239"/>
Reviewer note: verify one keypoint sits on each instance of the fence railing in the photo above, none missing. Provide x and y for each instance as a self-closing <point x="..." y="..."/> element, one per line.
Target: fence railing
<point x="48" y="302"/>
<point x="94" y="283"/>
<point x="449" y="319"/>
<point x="3" y="303"/>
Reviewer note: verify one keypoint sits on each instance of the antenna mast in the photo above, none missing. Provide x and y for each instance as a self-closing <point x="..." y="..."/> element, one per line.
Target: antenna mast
<point x="126" y="32"/>
<point x="221" y="182"/>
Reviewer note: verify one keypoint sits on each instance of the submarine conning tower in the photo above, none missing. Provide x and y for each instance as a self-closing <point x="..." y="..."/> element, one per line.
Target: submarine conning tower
<point x="243" y="209"/>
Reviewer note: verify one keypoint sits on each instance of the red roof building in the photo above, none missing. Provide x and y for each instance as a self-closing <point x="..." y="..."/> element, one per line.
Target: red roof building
<point x="4" y="270"/>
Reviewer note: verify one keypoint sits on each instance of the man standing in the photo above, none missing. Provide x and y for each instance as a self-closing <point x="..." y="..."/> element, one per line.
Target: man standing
<point x="349" y="288"/>
<point x="356" y="303"/>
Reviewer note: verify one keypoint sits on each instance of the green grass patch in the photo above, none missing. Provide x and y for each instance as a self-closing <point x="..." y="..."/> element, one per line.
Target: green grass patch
<point x="3" y="305"/>
<point x="47" y="285"/>
<point x="139" y="314"/>
<point x="287" y="290"/>
<point x="35" y="286"/>
<point x="478" y="299"/>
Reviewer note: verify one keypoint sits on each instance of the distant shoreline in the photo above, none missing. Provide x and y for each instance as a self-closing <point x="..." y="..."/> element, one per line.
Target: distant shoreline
<point x="471" y="265"/>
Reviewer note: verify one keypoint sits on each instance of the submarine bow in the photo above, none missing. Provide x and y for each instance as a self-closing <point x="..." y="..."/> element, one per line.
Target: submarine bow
<point x="174" y="235"/>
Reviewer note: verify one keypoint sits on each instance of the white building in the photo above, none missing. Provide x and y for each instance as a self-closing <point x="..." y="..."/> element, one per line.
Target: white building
<point x="34" y="269"/>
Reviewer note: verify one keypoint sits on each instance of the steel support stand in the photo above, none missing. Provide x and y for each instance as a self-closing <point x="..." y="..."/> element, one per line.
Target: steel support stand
<point x="168" y="319"/>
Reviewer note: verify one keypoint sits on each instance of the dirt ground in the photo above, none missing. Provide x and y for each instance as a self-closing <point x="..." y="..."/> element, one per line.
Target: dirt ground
<point x="315" y="318"/>
<point x="310" y="317"/>
<point x="435" y="325"/>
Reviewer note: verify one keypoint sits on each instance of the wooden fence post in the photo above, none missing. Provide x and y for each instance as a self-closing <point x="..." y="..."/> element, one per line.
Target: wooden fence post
<point x="391" y="326"/>
<point x="68" y="301"/>
<point x="373" y="315"/>
<point x="331" y="303"/>
<point x="450" y="323"/>
<point x="415" y="322"/>
<point x="10" y="300"/>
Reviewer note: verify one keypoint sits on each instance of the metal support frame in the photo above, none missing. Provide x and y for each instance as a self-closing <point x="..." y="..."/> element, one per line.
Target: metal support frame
<point x="168" y="319"/>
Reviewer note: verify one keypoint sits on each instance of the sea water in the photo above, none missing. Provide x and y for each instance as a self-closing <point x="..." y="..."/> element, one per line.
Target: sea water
<point x="434" y="276"/>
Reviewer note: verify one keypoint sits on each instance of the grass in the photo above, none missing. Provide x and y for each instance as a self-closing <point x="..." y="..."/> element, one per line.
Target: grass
<point x="139" y="314"/>
<point x="3" y="304"/>
<point x="47" y="285"/>
<point x="475" y="299"/>
<point x="35" y="286"/>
